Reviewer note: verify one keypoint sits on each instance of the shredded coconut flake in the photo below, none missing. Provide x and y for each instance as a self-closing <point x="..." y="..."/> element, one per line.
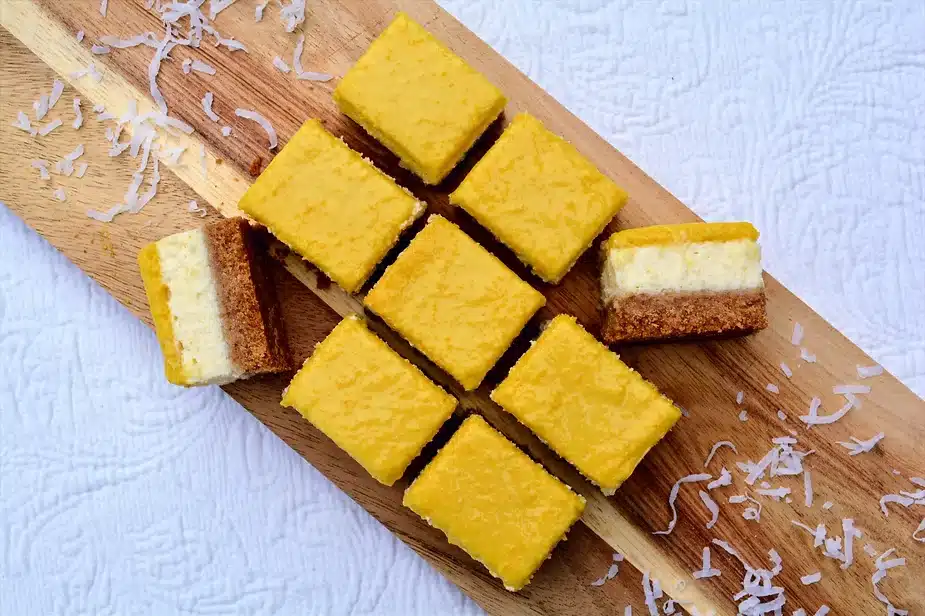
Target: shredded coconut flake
<point x="40" y="107"/>
<point x="42" y="166"/>
<point x="280" y="64"/>
<point x="743" y="415"/>
<point x="781" y="415"/>
<point x="104" y="6"/>
<point x="673" y="496"/>
<point x="57" y="89"/>
<point x="207" y="107"/>
<point x="706" y="571"/>
<point x="226" y="131"/>
<point x="797" y="337"/>
<point x="771" y="387"/>
<point x="100" y="50"/>
<point x="80" y="36"/>
<point x="806" y="356"/>
<point x="918" y="530"/>
<point x="248" y="114"/>
<point x="828" y="505"/>
<point x="81" y="170"/>
<point x="812" y="578"/>
<point x="60" y="195"/>
<point x="78" y="115"/>
<point x="292" y="14"/>
<point x="725" y="479"/>
<point x="786" y="370"/>
<point x="201" y="67"/>
<point x="775" y="493"/>
<point x="50" y="127"/>
<point x="711" y="505"/>
<point x="807" y="488"/>
<point x="716" y="446"/>
<point x="814" y="419"/>
<point x="866" y="372"/>
<point x="740" y="397"/>
<point x="22" y="122"/>
<point x="258" y="10"/>
<point x="750" y="513"/>
<point x="851" y="389"/>
<point x="858" y="446"/>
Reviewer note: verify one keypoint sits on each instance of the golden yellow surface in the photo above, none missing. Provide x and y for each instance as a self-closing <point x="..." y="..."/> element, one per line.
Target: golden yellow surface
<point x="494" y="502"/>
<point x="590" y="407"/>
<point x="330" y="205"/>
<point x="454" y="301"/>
<point x="371" y="402"/>
<point x="539" y="196"/>
<point x="419" y="99"/>
<point x="158" y="295"/>
<point x="682" y="234"/>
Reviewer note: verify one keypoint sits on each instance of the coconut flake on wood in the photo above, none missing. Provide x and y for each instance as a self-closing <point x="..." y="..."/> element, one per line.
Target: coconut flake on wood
<point x="78" y="114"/>
<point x="297" y="65"/>
<point x="797" y="336"/>
<point x="281" y="65"/>
<point x="22" y="122"/>
<point x="866" y="372"/>
<point x="811" y="578"/>
<point x="724" y="479"/>
<point x="207" y="107"/>
<point x="715" y="447"/>
<point x="706" y="570"/>
<point x="806" y="356"/>
<point x="712" y="507"/>
<point x="673" y="496"/>
<point x="249" y="114"/>
<point x="771" y="387"/>
<point x="45" y="130"/>
<point x="858" y="446"/>
<point x="786" y="370"/>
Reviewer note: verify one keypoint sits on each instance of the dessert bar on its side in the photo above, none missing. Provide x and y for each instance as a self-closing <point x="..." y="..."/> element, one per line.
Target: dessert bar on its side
<point x="215" y="313"/>
<point x="681" y="281"/>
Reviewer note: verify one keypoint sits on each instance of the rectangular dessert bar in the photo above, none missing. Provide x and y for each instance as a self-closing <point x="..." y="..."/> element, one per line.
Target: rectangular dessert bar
<point x="370" y="401"/>
<point x="537" y="193"/>
<point x="419" y="99"/>
<point x="494" y="502"/>
<point x="330" y="205"/>
<point x="215" y="314"/>
<point x="590" y="407"/>
<point x="679" y="281"/>
<point x="454" y="301"/>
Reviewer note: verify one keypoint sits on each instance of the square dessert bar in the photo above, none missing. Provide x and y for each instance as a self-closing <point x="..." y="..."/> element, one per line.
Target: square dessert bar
<point x="585" y="403"/>
<point x="680" y="281"/>
<point x="536" y="193"/>
<point x="215" y="313"/>
<point x="454" y="301"/>
<point x="370" y="401"/>
<point x="330" y="205"/>
<point x="419" y="99"/>
<point x="494" y="502"/>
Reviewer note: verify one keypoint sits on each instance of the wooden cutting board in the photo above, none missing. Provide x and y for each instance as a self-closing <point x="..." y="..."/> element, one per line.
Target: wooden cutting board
<point x="703" y="377"/>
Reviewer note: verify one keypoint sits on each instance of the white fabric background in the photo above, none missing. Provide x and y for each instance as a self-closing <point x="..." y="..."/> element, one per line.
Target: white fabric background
<point x="120" y="494"/>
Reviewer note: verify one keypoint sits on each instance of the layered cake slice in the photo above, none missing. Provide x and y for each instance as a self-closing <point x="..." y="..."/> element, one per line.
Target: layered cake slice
<point x="370" y="401"/>
<point x="679" y="281"/>
<point x="581" y="400"/>
<point x="494" y="502"/>
<point x="330" y="205"/>
<point x="540" y="196"/>
<point x="215" y="314"/>
<point x="454" y="301"/>
<point x="419" y="99"/>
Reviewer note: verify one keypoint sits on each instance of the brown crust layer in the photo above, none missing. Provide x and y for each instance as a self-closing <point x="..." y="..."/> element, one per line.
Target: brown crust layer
<point x="645" y="317"/>
<point x="249" y="307"/>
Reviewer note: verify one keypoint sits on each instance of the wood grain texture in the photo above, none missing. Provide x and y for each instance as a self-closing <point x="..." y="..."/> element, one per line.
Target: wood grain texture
<point x="703" y="378"/>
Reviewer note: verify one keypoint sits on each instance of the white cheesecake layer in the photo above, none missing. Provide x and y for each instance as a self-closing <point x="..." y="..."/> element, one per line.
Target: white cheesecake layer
<point x="194" y="308"/>
<point x="682" y="268"/>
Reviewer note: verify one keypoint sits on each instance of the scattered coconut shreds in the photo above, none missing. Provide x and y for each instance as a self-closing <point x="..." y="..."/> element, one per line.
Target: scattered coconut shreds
<point x="40" y="107"/>
<point x="78" y="115"/>
<point x="81" y="170"/>
<point x="148" y="38"/>
<point x="781" y="415"/>
<point x="50" y="127"/>
<point x="828" y="505"/>
<point x="807" y="488"/>
<point x="812" y="578"/>
<point x="800" y="612"/>
<point x="628" y="610"/>
<point x="858" y="446"/>
<point x="740" y="397"/>
<point x="870" y="550"/>
<point x="851" y="389"/>
<point x="918" y="530"/>
<point x="706" y="570"/>
<point x="280" y="64"/>
<point x="814" y="419"/>
<point x="22" y="122"/>
<point x="715" y="447"/>
<point x="653" y="592"/>
<point x="226" y="131"/>
<point x="750" y="513"/>
<point x="743" y="415"/>
<point x="771" y="387"/>
<point x="759" y="595"/>
<point x="292" y="14"/>
<point x="905" y="499"/>
<point x="712" y="507"/>
<point x="187" y="66"/>
<point x="786" y="370"/>
<point x="154" y="68"/>
<point x="880" y="574"/>
<point x="98" y="108"/>
<point x="684" y="412"/>
<point x="775" y="493"/>
<point x="806" y="356"/>
<point x="100" y="50"/>
<point x="866" y="372"/>
<point x="201" y="67"/>
<point x="207" y="106"/>
<point x="673" y="496"/>
<point x="822" y="611"/>
<point x="217" y="6"/>
<point x="60" y="195"/>
<point x="91" y="71"/>
<point x="80" y="36"/>
<point x="195" y="209"/>
<point x="104" y="5"/>
<point x="724" y="479"/>
<point x="203" y="161"/>
<point x="57" y="89"/>
<point x="248" y="114"/>
<point x="297" y="65"/>
<point x="42" y="166"/>
<point x="612" y="571"/>
<point x="797" y="337"/>
<point x="258" y="10"/>
<point x="106" y="216"/>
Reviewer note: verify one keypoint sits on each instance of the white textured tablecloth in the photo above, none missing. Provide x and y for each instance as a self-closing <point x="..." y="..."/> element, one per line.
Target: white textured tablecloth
<point x="120" y="494"/>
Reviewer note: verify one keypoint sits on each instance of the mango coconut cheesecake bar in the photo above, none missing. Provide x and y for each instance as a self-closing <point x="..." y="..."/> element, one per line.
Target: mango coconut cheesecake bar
<point x="586" y="404"/>
<point x="540" y="196"/>
<point x="454" y="301"/>
<point x="370" y="401"/>
<point x="216" y="315"/>
<point x="679" y="281"/>
<point x="331" y="206"/>
<point x="419" y="99"/>
<point x="489" y="498"/>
